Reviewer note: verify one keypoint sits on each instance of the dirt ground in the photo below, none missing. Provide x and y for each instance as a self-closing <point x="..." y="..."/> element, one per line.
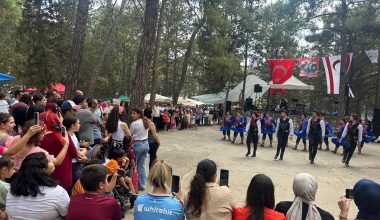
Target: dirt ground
<point x="184" y="149"/>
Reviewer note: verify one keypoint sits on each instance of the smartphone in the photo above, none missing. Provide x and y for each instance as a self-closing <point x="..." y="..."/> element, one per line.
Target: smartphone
<point x="224" y="174"/>
<point x="63" y="131"/>
<point x="349" y="194"/>
<point x="121" y="172"/>
<point x="36" y="118"/>
<point x="175" y="184"/>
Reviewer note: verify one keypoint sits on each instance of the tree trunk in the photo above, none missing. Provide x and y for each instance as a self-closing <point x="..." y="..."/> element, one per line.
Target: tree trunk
<point x="245" y="73"/>
<point x="166" y="72"/>
<point x="144" y="56"/>
<point x="77" y="47"/>
<point x="107" y="42"/>
<point x="157" y="54"/>
<point x="186" y="60"/>
<point x="343" y="44"/>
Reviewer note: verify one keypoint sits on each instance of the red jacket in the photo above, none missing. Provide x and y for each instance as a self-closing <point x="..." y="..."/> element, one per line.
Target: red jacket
<point x="269" y="214"/>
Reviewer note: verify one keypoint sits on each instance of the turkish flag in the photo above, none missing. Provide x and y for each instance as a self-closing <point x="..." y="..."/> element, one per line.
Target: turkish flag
<point x="281" y="71"/>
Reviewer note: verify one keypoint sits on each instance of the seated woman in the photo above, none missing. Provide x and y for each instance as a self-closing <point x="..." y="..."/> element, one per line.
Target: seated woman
<point x="160" y="200"/>
<point x="259" y="201"/>
<point x="303" y="208"/>
<point x="34" y="194"/>
<point x="367" y="199"/>
<point x="206" y="199"/>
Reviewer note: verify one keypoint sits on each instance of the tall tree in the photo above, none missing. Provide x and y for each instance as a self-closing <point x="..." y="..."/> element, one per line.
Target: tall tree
<point x="144" y="56"/>
<point x="106" y="45"/>
<point x="156" y="55"/>
<point x="77" y="47"/>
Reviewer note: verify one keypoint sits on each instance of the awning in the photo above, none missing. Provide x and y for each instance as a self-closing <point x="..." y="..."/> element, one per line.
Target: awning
<point x="251" y="81"/>
<point x="292" y="84"/>
<point x="159" y="98"/>
<point x="5" y="77"/>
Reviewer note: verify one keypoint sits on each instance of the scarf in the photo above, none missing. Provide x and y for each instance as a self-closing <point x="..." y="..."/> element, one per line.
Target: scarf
<point x="53" y="124"/>
<point x="367" y="199"/>
<point x="304" y="188"/>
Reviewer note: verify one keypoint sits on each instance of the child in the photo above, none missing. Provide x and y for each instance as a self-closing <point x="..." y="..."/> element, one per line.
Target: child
<point x="192" y="120"/>
<point x="7" y="169"/>
<point x="120" y="161"/>
<point x="172" y="122"/>
<point x="165" y="119"/>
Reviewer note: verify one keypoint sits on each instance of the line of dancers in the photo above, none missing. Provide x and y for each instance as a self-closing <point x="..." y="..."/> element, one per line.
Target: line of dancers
<point x="350" y="133"/>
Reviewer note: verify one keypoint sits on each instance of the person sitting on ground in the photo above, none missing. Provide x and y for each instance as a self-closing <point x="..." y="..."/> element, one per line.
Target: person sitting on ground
<point x="206" y="199"/>
<point x="78" y="188"/>
<point x="34" y="194"/>
<point x="94" y="204"/>
<point x="260" y="201"/>
<point x="120" y="160"/>
<point x="303" y="208"/>
<point x="7" y="169"/>
<point x="160" y="199"/>
<point x="366" y="197"/>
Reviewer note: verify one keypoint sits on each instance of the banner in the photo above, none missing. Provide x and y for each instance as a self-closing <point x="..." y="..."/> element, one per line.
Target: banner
<point x="281" y="71"/>
<point x="373" y="55"/>
<point x="309" y="67"/>
<point x="347" y="64"/>
<point x="332" y="70"/>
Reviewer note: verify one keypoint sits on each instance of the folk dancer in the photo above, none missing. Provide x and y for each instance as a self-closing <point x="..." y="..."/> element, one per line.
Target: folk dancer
<point x="283" y="130"/>
<point x="253" y="130"/>
<point x="328" y="129"/>
<point x="268" y="124"/>
<point x="315" y="131"/>
<point x="339" y="132"/>
<point x="227" y="126"/>
<point x="239" y="128"/>
<point x="354" y="133"/>
<point x="301" y="132"/>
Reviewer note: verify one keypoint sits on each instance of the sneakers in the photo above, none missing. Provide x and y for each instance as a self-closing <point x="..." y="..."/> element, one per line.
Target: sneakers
<point x="311" y="162"/>
<point x="343" y="160"/>
<point x="253" y="155"/>
<point x="346" y="165"/>
<point x="304" y="149"/>
<point x="281" y="158"/>
<point x="262" y="144"/>
<point x="247" y="154"/>
<point x="275" y="157"/>
<point x="295" y="147"/>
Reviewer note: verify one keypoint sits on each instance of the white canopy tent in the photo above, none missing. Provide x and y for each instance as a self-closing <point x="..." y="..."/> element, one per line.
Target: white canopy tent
<point x="189" y="102"/>
<point x="159" y="98"/>
<point x="214" y="98"/>
<point x="292" y="84"/>
<point x="251" y="81"/>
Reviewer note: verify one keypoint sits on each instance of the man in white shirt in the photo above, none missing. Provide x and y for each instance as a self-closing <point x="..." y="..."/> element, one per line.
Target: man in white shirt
<point x="156" y="114"/>
<point x="315" y="132"/>
<point x="354" y="133"/>
<point x="283" y="130"/>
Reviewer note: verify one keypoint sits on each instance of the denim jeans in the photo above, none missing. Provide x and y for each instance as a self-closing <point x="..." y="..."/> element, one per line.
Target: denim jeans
<point x="141" y="150"/>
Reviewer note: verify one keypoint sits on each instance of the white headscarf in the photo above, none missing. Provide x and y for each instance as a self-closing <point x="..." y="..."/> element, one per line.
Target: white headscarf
<point x="304" y="188"/>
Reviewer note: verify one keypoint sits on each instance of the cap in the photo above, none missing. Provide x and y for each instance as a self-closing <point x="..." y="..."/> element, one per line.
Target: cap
<point x="68" y="105"/>
<point x="286" y="112"/>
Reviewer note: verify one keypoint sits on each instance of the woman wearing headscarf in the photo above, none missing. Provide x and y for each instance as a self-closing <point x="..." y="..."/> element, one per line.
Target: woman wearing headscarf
<point x="367" y="199"/>
<point x="303" y="208"/>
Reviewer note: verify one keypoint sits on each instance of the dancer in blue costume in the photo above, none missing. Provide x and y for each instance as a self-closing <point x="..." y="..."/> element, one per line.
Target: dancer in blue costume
<point x="239" y="128"/>
<point x="227" y="126"/>
<point x="329" y="133"/>
<point x="339" y="132"/>
<point x="367" y="136"/>
<point x="301" y="132"/>
<point x="268" y="127"/>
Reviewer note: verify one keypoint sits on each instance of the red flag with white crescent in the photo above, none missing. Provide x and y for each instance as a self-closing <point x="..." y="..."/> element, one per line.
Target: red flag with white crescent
<point x="281" y="71"/>
<point x="347" y="64"/>
<point x="332" y="70"/>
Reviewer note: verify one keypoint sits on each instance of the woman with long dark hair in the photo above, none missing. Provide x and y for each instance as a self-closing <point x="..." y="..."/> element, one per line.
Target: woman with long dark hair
<point x="34" y="194"/>
<point x="206" y="199"/>
<point x="153" y="139"/>
<point x="139" y="131"/>
<point x="7" y="123"/>
<point x="259" y="201"/>
<point x="116" y="129"/>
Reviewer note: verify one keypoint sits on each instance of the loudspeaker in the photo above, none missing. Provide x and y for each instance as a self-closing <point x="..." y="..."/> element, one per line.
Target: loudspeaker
<point x="258" y="88"/>
<point x="376" y="122"/>
<point x="228" y="106"/>
<point x="248" y="104"/>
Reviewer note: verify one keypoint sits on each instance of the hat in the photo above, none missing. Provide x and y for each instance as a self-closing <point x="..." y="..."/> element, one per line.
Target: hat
<point x="286" y="112"/>
<point x="68" y="105"/>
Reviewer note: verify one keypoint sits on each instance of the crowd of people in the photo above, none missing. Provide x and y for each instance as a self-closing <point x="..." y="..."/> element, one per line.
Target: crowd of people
<point x="83" y="158"/>
<point x="351" y="133"/>
<point x="207" y="200"/>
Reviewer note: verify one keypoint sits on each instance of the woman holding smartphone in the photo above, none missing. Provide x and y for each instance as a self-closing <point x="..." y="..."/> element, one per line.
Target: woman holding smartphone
<point x="205" y="192"/>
